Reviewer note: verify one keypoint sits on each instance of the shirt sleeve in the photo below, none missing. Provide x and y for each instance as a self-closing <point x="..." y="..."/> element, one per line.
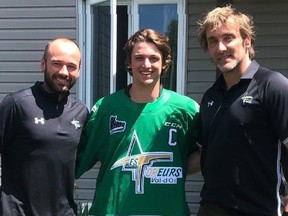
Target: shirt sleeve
<point x="86" y="156"/>
<point x="194" y="129"/>
<point x="277" y="104"/>
<point x="8" y="122"/>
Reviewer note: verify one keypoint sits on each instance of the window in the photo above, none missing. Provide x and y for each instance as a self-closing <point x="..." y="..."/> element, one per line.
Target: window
<point x="104" y="29"/>
<point x="165" y="20"/>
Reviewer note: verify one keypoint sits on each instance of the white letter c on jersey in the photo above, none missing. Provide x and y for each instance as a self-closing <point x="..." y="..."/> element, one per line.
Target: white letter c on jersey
<point x="171" y="131"/>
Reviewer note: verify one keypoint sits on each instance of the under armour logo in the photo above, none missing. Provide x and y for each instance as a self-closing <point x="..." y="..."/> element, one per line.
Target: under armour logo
<point x="210" y="103"/>
<point x="39" y="120"/>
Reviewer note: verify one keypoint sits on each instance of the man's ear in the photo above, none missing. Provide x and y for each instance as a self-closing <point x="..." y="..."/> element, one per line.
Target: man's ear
<point x="247" y="42"/>
<point x="43" y="65"/>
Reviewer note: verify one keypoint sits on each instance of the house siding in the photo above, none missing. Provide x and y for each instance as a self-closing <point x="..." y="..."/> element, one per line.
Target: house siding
<point x="271" y="21"/>
<point x="200" y="71"/>
<point x="200" y="75"/>
<point x="25" y="28"/>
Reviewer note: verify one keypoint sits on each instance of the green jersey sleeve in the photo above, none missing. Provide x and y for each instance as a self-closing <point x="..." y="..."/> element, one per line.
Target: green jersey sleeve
<point x="86" y="156"/>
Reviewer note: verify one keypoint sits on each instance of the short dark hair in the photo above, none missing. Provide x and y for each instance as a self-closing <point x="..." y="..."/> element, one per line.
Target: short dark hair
<point x="45" y="54"/>
<point x="152" y="36"/>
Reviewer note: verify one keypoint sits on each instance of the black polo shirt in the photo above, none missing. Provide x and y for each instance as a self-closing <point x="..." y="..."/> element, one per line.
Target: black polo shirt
<point x="241" y="149"/>
<point x="39" y="136"/>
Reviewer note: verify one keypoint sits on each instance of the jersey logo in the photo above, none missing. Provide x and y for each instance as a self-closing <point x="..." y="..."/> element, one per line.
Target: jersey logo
<point x="115" y="125"/>
<point x="141" y="164"/>
<point x="247" y="99"/>
<point x="94" y="108"/>
<point x="39" y="120"/>
<point x="76" y="123"/>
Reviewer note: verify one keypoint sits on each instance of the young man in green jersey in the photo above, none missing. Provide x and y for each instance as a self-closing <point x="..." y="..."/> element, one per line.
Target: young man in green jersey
<point x="143" y="136"/>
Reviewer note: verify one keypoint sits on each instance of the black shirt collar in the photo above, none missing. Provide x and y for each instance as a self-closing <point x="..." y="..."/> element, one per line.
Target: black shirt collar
<point x="55" y="97"/>
<point x="248" y="74"/>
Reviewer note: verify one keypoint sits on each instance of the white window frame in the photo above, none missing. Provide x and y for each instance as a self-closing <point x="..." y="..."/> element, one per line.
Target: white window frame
<point x="85" y="32"/>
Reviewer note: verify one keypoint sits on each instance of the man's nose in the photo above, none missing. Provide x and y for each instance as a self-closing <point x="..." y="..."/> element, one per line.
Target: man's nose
<point x="221" y="46"/>
<point x="147" y="63"/>
<point x="64" y="70"/>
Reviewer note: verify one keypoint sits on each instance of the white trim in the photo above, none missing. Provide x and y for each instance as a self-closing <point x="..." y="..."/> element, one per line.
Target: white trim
<point x="130" y="27"/>
<point x="88" y="60"/>
<point x="181" y="49"/>
<point x="157" y="1"/>
<point x="85" y="85"/>
<point x="135" y="18"/>
<point x="81" y="29"/>
<point x="113" y="49"/>
<point x="279" y="176"/>
<point x="93" y="2"/>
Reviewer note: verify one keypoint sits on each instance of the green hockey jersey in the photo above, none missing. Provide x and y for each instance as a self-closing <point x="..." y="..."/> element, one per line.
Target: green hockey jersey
<point x="143" y="149"/>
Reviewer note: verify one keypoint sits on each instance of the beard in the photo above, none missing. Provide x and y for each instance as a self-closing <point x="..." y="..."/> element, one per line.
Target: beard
<point x="227" y="67"/>
<point x="57" y="88"/>
<point x="230" y="67"/>
<point x="233" y="60"/>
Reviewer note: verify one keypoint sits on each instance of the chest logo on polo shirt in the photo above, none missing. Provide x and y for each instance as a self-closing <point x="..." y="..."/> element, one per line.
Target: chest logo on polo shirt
<point x="76" y="123"/>
<point x="246" y="99"/>
<point x="39" y="120"/>
<point x="141" y="166"/>
<point x="210" y="103"/>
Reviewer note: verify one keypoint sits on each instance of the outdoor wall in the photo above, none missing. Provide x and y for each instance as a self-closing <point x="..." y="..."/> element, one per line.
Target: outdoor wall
<point x="25" y="28"/>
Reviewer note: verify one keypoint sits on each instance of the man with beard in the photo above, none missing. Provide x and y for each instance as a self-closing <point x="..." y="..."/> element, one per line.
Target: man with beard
<point x="39" y="132"/>
<point x="244" y="122"/>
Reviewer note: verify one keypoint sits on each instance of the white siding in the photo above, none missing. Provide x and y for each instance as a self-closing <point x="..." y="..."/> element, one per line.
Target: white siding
<point x="200" y="75"/>
<point x="25" y="28"/>
<point x="201" y="72"/>
<point x="271" y="21"/>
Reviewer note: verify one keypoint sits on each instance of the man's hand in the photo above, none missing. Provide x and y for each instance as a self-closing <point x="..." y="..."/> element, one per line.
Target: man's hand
<point x="194" y="162"/>
<point x="285" y="208"/>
